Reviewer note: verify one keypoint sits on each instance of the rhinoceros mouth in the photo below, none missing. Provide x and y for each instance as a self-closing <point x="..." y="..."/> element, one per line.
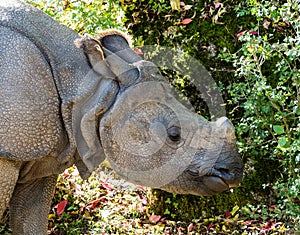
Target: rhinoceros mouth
<point x="216" y="180"/>
<point x="224" y="173"/>
<point x="213" y="182"/>
<point x="200" y="186"/>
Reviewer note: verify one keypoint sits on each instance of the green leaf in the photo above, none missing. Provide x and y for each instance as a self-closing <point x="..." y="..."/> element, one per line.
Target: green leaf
<point x="278" y="129"/>
<point x="235" y="209"/>
<point x="168" y="201"/>
<point x="282" y="142"/>
<point x="167" y="212"/>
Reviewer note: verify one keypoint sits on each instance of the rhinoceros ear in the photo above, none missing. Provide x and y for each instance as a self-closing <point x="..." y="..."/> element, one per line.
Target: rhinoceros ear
<point x="119" y="56"/>
<point x="94" y="51"/>
<point x="118" y="43"/>
<point x="111" y="56"/>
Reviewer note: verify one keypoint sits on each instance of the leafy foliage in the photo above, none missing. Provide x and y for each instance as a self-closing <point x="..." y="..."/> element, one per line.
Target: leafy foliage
<point x="203" y="29"/>
<point x="83" y="16"/>
<point x="252" y="50"/>
<point x="268" y="94"/>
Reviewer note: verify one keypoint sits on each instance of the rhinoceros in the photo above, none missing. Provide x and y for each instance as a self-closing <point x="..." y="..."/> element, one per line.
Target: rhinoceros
<point x="67" y="99"/>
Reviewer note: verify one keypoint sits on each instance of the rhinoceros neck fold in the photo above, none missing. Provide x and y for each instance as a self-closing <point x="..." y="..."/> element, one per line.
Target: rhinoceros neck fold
<point x="75" y="81"/>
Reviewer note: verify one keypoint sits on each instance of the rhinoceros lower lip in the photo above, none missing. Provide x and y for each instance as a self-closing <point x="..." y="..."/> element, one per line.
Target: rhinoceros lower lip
<point x="215" y="183"/>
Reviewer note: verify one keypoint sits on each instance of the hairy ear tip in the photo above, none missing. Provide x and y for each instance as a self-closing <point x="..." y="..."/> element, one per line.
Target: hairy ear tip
<point x="111" y="32"/>
<point x="85" y="41"/>
<point x="79" y="43"/>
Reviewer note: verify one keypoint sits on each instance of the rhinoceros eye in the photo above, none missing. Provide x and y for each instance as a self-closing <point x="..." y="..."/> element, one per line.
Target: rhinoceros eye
<point x="174" y="133"/>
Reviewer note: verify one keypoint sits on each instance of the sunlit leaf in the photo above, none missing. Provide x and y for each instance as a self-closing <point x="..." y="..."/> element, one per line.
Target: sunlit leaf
<point x="282" y="142"/>
<point x="107" y="186"/>
<point x="278" y="129"/>
<point x="154" y="218"/>
<point x="175" y="4"/>
<point x="186" y="21"/>
<point x="235" y="209"/>
<point x="61" y="207"/>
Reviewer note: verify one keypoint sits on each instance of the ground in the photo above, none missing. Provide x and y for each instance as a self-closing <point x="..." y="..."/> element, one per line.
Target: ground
<point x="106" y="204"/>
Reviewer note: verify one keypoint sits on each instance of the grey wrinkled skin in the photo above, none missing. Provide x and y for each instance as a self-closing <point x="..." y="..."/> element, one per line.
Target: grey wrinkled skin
<point x="66" y="99"/>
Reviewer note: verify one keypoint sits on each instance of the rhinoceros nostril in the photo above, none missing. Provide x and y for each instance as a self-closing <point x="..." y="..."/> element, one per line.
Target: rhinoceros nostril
<point x="223" y="171"/>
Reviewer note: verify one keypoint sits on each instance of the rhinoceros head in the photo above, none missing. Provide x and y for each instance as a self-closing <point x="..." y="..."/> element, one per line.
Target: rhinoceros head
<point x="152" y="139"/>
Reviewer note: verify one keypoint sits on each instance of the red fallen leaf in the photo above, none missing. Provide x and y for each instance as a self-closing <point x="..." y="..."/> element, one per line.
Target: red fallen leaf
<point x="278" y="28"/>
<point x="241" y="33"/>
<point x="272" y="207"/>
<point x="93" y="204"/>
<point x="211" y="225"/>
<point x="65" y="174"/>
<point x="153" y="13"/>
<point x="78" y="190"/>
<point x="227" y="214"/>
<point x="141" y="188"/>
<point x="269" y="225"/>
<point x="154" y="218"/>
<point x="247" y="222"/>
<point x="253" y="32"/>
<point x="217" y="5"/>
<point x="186" y="21"/>
<point x="107" y="186"/>
<point x="138" y="51"/>
<point x="61" y="207"/>
<point x="190" y="227"/>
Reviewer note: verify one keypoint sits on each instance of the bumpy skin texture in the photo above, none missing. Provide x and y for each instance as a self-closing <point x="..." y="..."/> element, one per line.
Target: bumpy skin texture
<point x="9" y="173"/>
<point x="29" y="101"/>
<point x="42" y="76"/>
<point x="30" y="205"/>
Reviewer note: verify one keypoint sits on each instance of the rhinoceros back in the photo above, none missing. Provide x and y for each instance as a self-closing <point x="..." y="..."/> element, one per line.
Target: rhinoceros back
<point x="54" y="40"/>
<point x="30" y="125"/>
<point x="54" y="79"/>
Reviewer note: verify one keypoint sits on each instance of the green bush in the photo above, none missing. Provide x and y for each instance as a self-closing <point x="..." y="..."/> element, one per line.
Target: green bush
<point x="268" y="94"/>
<point x="83" y="16"/>
<point x="252" y="50"/>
